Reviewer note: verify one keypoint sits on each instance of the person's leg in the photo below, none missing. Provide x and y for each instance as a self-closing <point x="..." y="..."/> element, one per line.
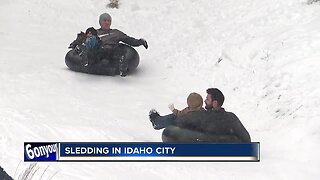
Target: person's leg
<point x="159" y="122"/>
<point x="119" y="56"/>
<point x="92" y="48"/>
<point x="91" y="56"/>
<point x="104" y="54"/>
<point x="123" y="66"/>
<point x="108" y="68"/>
<point x="98" y="62"/>
<point x="163" y="121"/>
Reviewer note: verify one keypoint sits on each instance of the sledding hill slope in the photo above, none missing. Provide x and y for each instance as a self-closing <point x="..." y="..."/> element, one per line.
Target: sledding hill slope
<point x="262" y="54"/>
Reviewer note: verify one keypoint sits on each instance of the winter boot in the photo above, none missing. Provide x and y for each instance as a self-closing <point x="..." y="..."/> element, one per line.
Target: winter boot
<point x="153" y="114"/>
<point x="123" y="66"/>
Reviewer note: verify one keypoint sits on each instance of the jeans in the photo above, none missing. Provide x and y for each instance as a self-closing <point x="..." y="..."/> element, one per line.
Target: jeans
<point x="91" y="42"/>
<point x="163" y="121"/>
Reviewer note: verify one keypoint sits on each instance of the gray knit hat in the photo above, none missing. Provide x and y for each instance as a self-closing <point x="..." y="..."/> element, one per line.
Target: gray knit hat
<point x="105" y="16"/>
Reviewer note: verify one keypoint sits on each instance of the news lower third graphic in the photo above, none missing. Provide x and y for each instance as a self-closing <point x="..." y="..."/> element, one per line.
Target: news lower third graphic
<point x="140" y="151"/>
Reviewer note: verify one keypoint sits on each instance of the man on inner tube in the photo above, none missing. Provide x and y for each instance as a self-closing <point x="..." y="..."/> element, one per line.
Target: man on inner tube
<point x="213" y="125"/>
<point x="108" y="41"/>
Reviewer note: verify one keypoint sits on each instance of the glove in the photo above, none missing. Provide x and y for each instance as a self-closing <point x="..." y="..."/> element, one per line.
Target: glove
<point x="171" y="107"/>
<point x="144" y="43"/>
<point x="72" y="45"/>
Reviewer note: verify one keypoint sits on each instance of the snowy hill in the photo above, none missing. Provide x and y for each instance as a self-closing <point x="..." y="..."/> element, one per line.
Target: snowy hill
<point x="264" y="56"/>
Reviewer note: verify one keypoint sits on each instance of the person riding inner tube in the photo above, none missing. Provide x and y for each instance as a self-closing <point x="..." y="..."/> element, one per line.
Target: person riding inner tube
<point x="107" y="47"/>
<point x="211" y="125"/>
<point x="76" y="61"/>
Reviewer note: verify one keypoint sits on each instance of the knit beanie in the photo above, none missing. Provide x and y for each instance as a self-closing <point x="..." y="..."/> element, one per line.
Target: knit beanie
<point x="194" y="101"/>
<point x="104" y="16"/>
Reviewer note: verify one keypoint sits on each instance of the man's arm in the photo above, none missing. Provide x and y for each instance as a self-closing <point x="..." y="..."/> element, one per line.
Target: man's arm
<point x="133" y="41"/>
<point x="239" y="129"/>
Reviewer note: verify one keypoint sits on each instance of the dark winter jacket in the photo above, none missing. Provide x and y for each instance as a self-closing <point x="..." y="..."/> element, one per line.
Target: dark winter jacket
<point x="111" y="37"/>
<point x="193" y="121"/>
<point x="223" y="122"/>
<point x="223" y="125"/>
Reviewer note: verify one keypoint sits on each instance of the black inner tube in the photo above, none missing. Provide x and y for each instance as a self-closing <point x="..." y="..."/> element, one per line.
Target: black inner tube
<point x="76" y="63"/>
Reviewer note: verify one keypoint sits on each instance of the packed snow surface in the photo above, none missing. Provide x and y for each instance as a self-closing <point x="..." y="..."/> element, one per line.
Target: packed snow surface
<point x="263" y="54"/>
